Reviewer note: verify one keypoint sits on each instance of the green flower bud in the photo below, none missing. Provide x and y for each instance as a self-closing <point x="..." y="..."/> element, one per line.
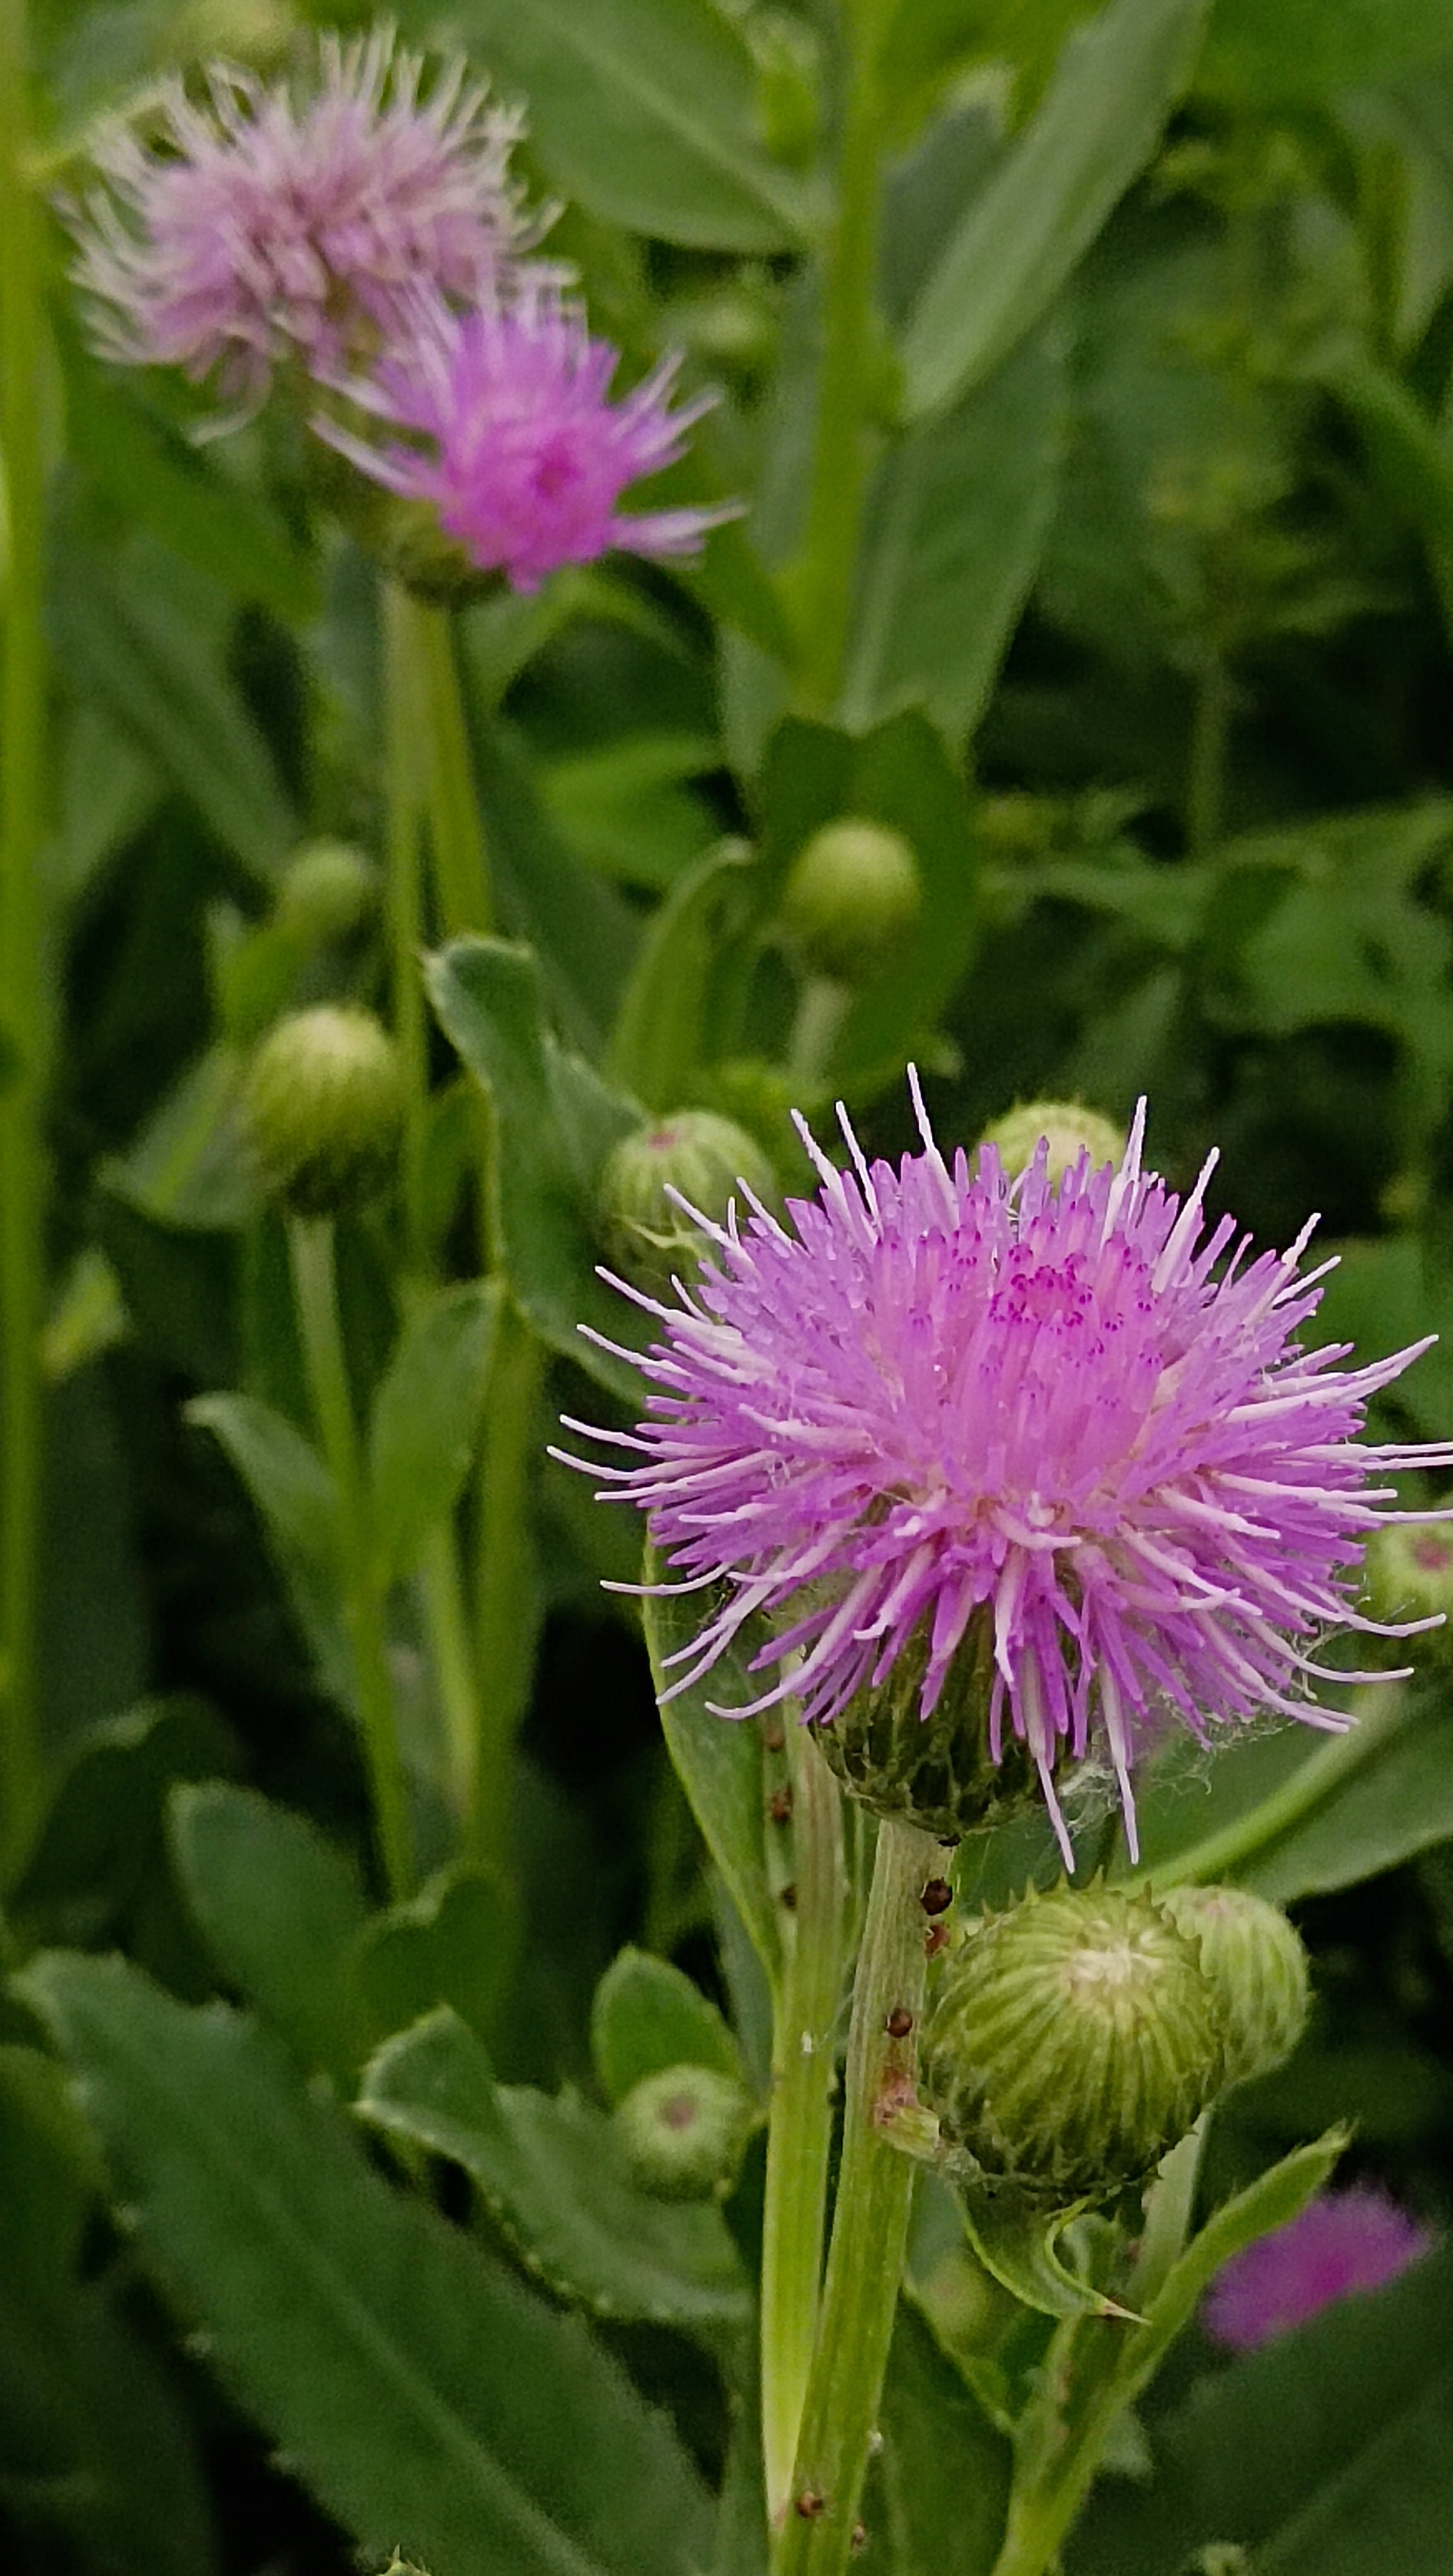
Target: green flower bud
<point x="324" y="1103"/>
<point x="1408" y="1574"/>
<point x="428" y="561"/>
<point x="1072" y="2042"/>
<point x="683" y="2131"/>
<point x="329" y="892"/>
<point x="1069" y="1129"/>
<point x="852" y="895"/>
<point x="644" y="1234"/>
<point x="1257" y="1969"/>
<point x="934" y="1772"/>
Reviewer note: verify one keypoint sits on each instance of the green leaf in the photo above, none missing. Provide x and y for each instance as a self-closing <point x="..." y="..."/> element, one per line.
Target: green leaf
<point x="644" y="110"/>
<point x="648" y="2015"/>
<point x="718" y="1759"/>
<point x="555" y="2179"/>
<point x="456" y="1943"/>
<point x="429" y="2400"/>
<point x="628" y="808"/>
<point x="555" y="1122"/>
<point x="582" y="931"/>
<point x="294" y="1494"/>
<point x="281" y="1911"/>
<point x="190" y="1166"/>
<point x="660" y="1036"/>
<point x="943" y="2473"/>
<point x="955" y="524"/>
<point x="1326" y="2453"/>
<point x="1021" y="2249"/>
<point x="1100" y="120"/>
<point x="426" y="1418"/>
<point x="1260" y="51"/>
<point x="100" y="1850"/>
<point x="1397" y="1803"/>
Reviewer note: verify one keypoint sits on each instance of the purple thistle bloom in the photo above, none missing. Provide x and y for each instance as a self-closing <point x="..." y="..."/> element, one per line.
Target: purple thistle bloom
<point x="525" y="455"/>
<point x="256" y="227"/>
<point x="1342" y="2241"/>
<point x="1054" y="1412"/>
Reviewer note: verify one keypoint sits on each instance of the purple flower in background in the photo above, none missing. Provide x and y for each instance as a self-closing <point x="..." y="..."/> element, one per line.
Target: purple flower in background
<point x="947" y="1407"/>
<point x="513" y="439"/>
<point x="1342" y="2241"/>
<point x="257" y="226"/>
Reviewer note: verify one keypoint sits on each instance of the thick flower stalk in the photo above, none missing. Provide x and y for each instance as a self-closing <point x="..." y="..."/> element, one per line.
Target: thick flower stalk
<point x="260" y="225"/>
<point x="1053" y="1446"/>
<point x="1342" y="2241"/>
<point x="500" y="419"/>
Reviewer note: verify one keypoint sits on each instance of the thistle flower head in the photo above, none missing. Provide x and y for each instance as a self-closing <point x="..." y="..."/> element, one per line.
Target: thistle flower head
<point x="257" y="224"/>
<point x="1059" y="1438"/>
<point x="508" y="431"/>
<point x="1342" y="2241"/>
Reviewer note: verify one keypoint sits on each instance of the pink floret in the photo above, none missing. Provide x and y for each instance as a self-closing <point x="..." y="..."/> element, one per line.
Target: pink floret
<point x="1342" y="2241"/>
<point x="1072" y="1409"/>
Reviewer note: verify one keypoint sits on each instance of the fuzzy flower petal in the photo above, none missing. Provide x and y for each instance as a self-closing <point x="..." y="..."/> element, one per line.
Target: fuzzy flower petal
<point x="257" y="225"/>
<point x="1057" y="1410"/>
<point x="1342" y="2241"/>
<point x="512" y="437"/>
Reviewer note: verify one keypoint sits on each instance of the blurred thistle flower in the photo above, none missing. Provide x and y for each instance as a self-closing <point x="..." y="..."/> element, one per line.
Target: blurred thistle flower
<point x="1038" y="1446"/>
<point x="520" y="449"/>
<point x="1342" y="2241"/>
<point x="260" y="225"/>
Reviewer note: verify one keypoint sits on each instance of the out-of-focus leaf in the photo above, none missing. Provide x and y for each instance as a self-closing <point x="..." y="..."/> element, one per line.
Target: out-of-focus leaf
<point x="1259" y="51"/>
<point x="555" y="2178"/>
<point x="94" y="1608"/>
<point x="1325" y="2454"/>
<point x="100" y="1847"/>
<point x="294" y="1493"/>
<point x="457" y="1943"/>
<point x="107" y="788"/>
<point x="555" y="1123"/>
<point x="660" y="1035"/>
<point x="1397" y="1803"/>
<point x="941" y="2487"/>
<point x="581" y="929"/>
<point x="426" y="1418"/>
<point x="644" y="110"/>
<point x="955" y="522"/>
<point x="420" y="2390"/>
<point x="1101" y="117"/>
<point x="627" y="807"/>
<point x="87" y="1317"/>
<point x="178" y="1284"/>
<point x="281" y="1911"/>
<point x="648" y="2016"/>
<point x="719" y="1759"/>
<point x="145" y="635"/>
<point x="190" y="1166"/>
<point x="927" y="44"/>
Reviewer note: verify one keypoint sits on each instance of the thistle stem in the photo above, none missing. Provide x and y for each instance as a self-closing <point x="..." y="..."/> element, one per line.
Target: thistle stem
<point x="315" y="1286"/>
<point x="461" y="856"/>
<point x="799" y="2134"/>
<point x="405" y="901"/>
<point x="870" y="2221"/>
<point x="506" y="1607"/>
<point x="24" y="1014"/>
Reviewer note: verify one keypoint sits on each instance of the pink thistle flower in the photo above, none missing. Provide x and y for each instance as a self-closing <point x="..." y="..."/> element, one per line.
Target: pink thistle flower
<point x="1050" y="1413"/>
<point x="257" y="227"/>
<point x="525" y="455"/>
<point x="1342" y="2241"/>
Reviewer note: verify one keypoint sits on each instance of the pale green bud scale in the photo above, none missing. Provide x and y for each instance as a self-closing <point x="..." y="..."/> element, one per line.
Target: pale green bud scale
<point x="1257" y="1967"/>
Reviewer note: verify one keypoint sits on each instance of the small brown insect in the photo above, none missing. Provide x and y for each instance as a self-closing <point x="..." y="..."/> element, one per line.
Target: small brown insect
<point x="779" y="1805"/>
<point x="789" y="1897"/>
<point x="937" y="1897"/>
<point x="809" y="2504"/>
<point x="773" y="1737"/>
<point x="899" y="2022"/>
<point x="859" y="2539"/>
<point x="935" y="1939"/>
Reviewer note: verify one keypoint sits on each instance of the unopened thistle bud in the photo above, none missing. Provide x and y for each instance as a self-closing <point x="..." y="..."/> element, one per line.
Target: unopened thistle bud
<point x="683" y="2130"/>
<point x="1257" y="1968"/>
<point x="1409" y="1576"/>
<point x="1068" y="1129"/>
<point x="645" y="1235"/>
<point x="324" y="1104"/>
<point x="421" y="554"/>
<point x="329" y="893"/>
<point x="939" y="1772"/>
<point x="852" y="894"/>
<point x="1074" y="2040"/>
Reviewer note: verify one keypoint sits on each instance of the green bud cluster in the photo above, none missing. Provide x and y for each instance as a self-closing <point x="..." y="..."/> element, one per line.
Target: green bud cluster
<point x="683" y="2130"/>
<point x="1256" y="1966"/>
<point x="1072" y="2042"/>
<point x="1069" y="1129"/>
<point x="852" y="894"/>
<point x="643" y="1233"/>
<point x="324" y="1105"/>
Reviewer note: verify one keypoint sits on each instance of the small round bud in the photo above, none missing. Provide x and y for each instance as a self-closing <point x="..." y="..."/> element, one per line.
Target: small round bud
<point x="1408" y="1574"/>
<point x="936" y="1772"/>
<point x="329" y="892"/>
<point x="1074" y="2039"/>
<point x="324" y="1103"/>
<point x="1070" y="1131"/>
<point x="852" y="894"/>
<point x="683" y="2130"/>
<point x="645" y="1235"/>
<point x="1257" y="1969"/>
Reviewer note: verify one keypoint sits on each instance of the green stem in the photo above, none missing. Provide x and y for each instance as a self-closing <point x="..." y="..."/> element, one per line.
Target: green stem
<point x="799" y="2135"/>
<point x="507" y="1588"/>
<point x="1206" y="767"/>
<point x="405" y="902"/>
<point x="461" y="858"/>
<point x="1220" y="1855"/>
<point x="24" y="1015"/>
<point x="823" y="578"/>
<point x="315" y="1285"/>
<point x="870" y="2221"/>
